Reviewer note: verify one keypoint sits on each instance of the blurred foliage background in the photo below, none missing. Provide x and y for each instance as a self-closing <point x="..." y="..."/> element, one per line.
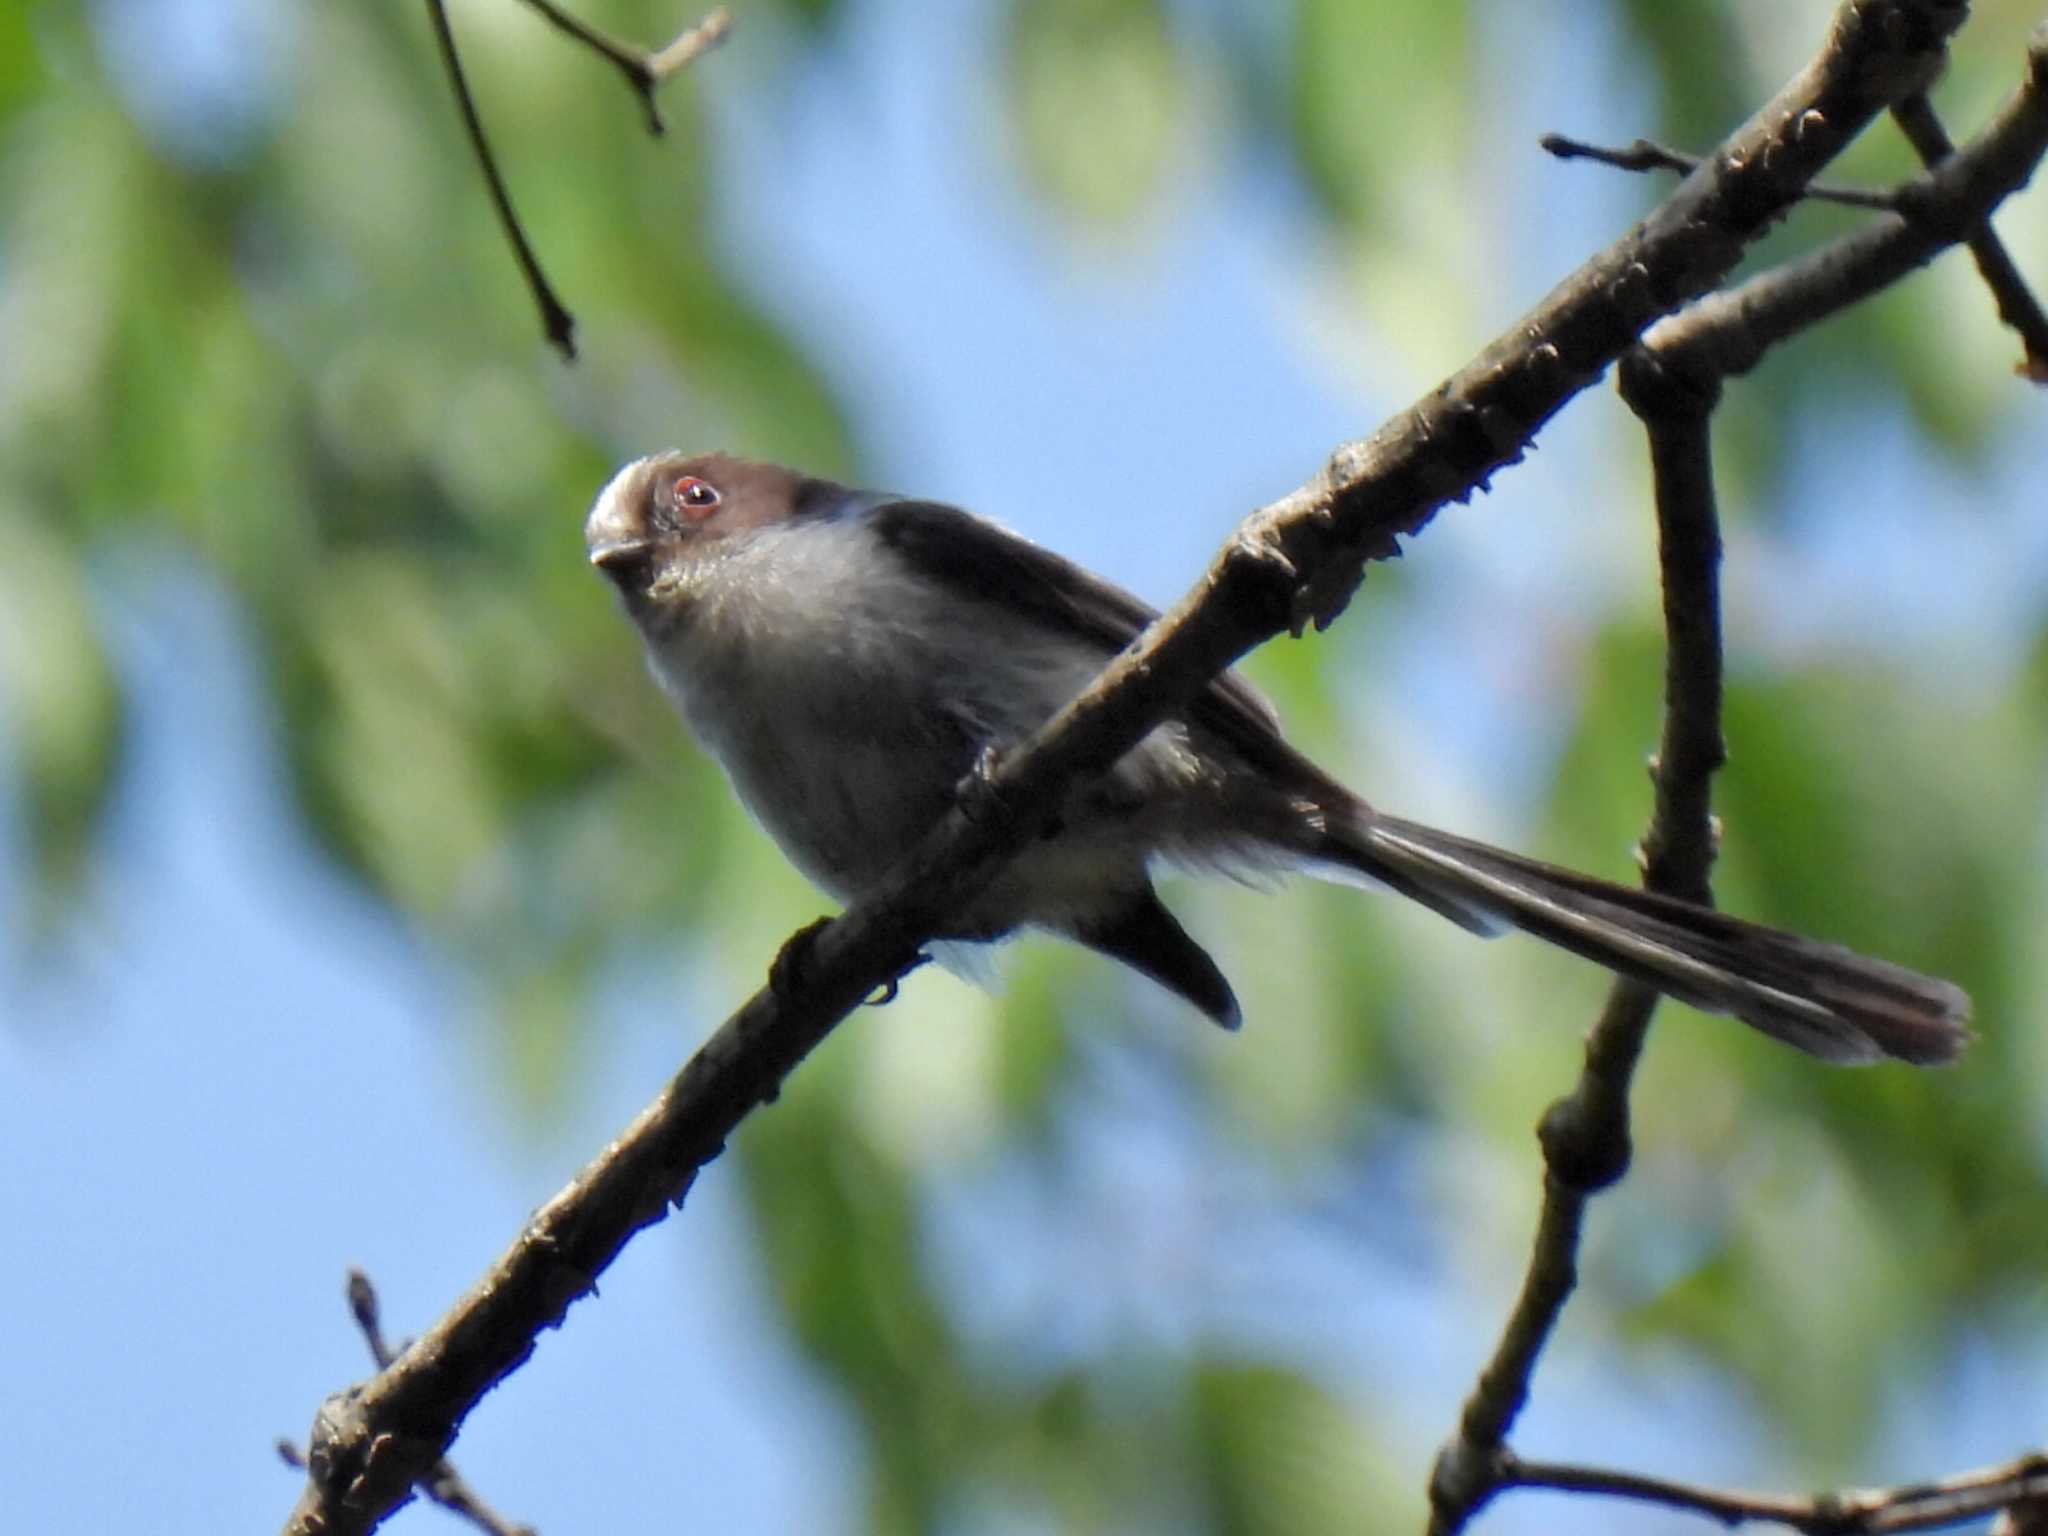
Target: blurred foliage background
<point x="1063" y="1261"/>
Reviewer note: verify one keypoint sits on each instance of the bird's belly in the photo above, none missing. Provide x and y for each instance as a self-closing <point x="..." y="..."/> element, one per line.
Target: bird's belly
<point x="843" y="774"/>
<point x="844" y="809"/>
<point x="846" y="728"/>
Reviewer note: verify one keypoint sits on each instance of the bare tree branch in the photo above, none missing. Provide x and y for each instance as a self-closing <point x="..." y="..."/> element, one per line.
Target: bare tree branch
<point x="1672" y="383"/>
<point x="555" y="318"/>
<point x="2021" y="1484"/>
<point x="1727" y="333"/>
<point x="1915" y="115"/>
<point x="442" y="1485"/>
<point x="644" y="70"/>
<point x="1292" y="563"/>
<point x="1645" y="155"/>
<point x="2017" y="306"/>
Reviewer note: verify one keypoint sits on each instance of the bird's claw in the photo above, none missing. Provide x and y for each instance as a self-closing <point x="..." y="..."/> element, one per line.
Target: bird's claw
<point x="976" y="792"/>
<point x="885" y="994"/>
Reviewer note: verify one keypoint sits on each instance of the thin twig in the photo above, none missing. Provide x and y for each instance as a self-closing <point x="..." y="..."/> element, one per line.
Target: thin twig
<point x="555" y="318"/>
<point x="2017" y="306"/>
<point x="1585" y="1135"/>
<point x="1861" y="1512"/>
<point x="362" y="1306"/>
<point x="443" y="1485"/>
<point x="1917" y="120"/>
<point x="1731" y="330"/>
<point x="688" y="44"/>
<point x="644" y="70"/>
<point x="1644" y="155"/>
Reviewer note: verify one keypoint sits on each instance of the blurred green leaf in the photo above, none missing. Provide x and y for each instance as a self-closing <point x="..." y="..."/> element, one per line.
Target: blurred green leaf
<point x="1321" y="968"/>
<point x="1376" y="84"/>
<point x="61" y="705"/>
<point x="1033" y="1047"/>
<point x="1845" y="816"/>
<point x="815" y="13"/>
<point x="1095" y="90"/>
<point x="1280" y="1455"/>
<point x="838" y="1234"/>
<point x="21" y="69"/>
<point x="1703" y="88"/>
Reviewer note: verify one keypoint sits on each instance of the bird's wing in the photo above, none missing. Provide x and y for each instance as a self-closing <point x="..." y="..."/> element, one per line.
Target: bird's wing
<point x="997" y="566"/>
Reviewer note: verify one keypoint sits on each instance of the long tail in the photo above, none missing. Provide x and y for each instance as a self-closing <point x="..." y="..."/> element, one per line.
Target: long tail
<point x="1821" y="998"/>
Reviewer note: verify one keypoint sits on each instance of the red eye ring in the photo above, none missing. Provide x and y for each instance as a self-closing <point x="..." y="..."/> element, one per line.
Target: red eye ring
<point x="694" y="498"/>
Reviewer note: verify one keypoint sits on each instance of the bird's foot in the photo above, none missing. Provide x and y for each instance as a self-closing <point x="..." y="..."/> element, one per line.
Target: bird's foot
<point x="788" y="970"/>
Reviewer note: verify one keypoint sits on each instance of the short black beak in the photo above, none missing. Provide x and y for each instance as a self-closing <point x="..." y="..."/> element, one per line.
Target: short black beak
<point x="625" y="561"/>
<point x="618" y="552"/>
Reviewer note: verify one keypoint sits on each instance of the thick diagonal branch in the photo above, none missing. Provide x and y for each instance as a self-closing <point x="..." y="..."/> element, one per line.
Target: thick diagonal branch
<point x="442" y="1485"/>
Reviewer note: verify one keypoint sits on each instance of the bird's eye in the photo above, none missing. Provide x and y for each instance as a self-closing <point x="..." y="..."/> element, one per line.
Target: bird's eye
<point x="694" y="498"/>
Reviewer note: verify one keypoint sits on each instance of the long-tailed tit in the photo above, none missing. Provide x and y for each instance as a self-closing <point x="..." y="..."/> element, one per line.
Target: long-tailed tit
<point x="847" y="657"/>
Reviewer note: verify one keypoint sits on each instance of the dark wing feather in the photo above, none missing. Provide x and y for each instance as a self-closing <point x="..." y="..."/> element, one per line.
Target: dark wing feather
<point x="997" y="566"/>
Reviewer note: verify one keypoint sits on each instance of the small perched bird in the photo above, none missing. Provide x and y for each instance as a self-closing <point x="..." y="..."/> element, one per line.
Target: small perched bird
<point x="848" y="656"/>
